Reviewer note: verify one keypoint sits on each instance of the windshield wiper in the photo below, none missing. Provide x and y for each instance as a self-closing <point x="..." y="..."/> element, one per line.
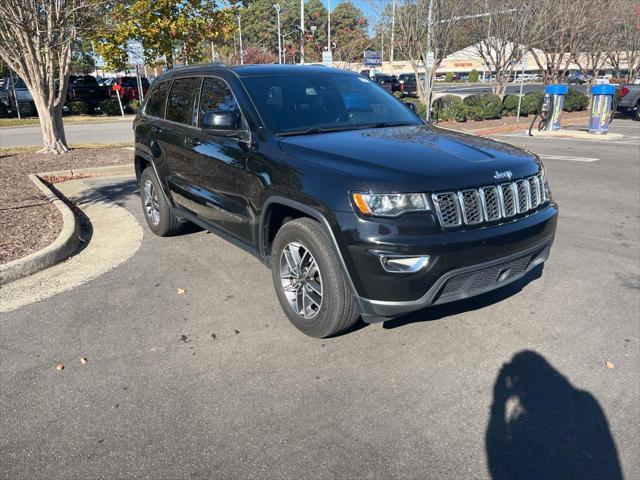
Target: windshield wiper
<point x="313" y="130"/>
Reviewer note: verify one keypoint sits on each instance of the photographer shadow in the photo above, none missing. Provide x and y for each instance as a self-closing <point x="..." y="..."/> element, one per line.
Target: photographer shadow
<point x="541" y="427"/>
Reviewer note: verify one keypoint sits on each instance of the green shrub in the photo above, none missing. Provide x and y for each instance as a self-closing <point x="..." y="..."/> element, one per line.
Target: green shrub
<point x="531" y="103"/>
<point x="448" y="77"/>
<point x="492" y="110"/>
<point x="78" y="108"/>
<point x="475" y="112"/>
<point x="472" y="100"/>
<point x="510" y="105"/>
<point x="457" y="111"/>
<point x="420" y="107"/>
<point x="4" y="111"/>
<point x="575" y="101"/>
<point x="110" y="107"/>
<point x="473" y="76"/>
<point x="134" y="105"/>
<point x="397" y="94"/>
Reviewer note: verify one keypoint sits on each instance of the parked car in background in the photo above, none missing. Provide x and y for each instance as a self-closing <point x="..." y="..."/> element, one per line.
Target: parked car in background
<point x="629" y="100"/>
<point x="408" y="84"/>
<point x="577" y="78"/>
<point x="602" y="80"/>
<point x="129" y="88"/>
<point x="389" y="82"/>
<point x="21" y="99"/>
<point x="106" y="81"/>
<point x="85" y="88"/>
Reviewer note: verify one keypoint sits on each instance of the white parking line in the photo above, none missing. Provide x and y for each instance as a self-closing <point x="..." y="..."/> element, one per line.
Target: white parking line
<point x="569" y="158"/>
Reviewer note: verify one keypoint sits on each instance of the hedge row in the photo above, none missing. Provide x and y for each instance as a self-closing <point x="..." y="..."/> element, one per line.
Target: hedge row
<point x="490" y="107"/>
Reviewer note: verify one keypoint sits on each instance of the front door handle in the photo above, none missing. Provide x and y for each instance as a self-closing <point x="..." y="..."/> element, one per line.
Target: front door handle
<point x="194" y="141"/>
<point x="155" y="129"/>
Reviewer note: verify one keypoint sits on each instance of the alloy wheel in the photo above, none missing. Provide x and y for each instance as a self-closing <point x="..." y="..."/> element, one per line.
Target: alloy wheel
<point x="151" y="204"/>
<point x="301" y="280"/>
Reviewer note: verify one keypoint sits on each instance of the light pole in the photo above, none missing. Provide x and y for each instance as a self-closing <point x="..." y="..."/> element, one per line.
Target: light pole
<point x="393" y="27"/>
<point x="277" y="7"/>
<point x="301" y="31"/>
<point x="427" y="69"/>
<point x="240" y="33"/>
<point x="329" y="27"/>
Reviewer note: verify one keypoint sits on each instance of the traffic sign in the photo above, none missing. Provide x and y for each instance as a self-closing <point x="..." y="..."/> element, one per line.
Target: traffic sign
<point x="135" y="52"/>
<point x="430" y="59"/>
<point x="327" y="58"/>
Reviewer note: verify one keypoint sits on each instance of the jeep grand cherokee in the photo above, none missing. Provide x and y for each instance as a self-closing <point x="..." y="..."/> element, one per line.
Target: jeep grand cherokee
<point x="358" y="207"/>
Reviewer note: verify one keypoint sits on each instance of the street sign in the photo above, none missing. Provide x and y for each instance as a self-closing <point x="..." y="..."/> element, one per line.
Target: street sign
<point x="430" y="59"/>
<point x="372" y="58"/>
<point x="135" y="52"/>
<point x="327" y="58"/>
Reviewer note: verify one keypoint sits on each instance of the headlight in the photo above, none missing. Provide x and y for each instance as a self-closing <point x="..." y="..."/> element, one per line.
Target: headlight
<point x="389" y="204"/>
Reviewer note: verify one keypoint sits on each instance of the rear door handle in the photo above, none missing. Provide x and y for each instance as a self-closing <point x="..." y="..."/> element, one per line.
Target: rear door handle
<point x="155" y="129"/>
<point x="194" y="141"/>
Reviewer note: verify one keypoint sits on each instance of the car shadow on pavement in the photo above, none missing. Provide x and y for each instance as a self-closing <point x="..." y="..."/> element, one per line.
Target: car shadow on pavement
<point x="474" y="303"/>
<point x="542" y="427"/>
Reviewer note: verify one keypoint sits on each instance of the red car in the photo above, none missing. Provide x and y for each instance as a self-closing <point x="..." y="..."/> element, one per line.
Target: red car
<point x="129" y="88"/>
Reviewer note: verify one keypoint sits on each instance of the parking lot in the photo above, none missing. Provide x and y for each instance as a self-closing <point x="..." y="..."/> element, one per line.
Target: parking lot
<point x="194" y="371"/>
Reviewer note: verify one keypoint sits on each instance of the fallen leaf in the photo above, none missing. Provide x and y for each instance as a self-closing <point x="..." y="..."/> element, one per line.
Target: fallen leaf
<point x="181" y="291"/>
<point x="237" y="331"/>
<point x="610" y="364"/>
<point x="183" y="338"/>
<point x="59" y="366"/>
<point x="83" y="360"/>
<point x="213" y="335"/>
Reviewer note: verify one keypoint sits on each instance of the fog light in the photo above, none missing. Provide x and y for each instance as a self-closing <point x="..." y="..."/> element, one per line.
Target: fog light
<point x="404" y="264"/>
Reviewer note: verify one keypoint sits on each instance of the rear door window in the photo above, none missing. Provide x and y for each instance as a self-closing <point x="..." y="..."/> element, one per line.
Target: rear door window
<point x="182" y="99"/>
<point x="157" y="100"/>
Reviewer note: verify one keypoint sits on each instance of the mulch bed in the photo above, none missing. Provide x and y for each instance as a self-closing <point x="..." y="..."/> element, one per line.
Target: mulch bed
<point x="28" y="222"/>
<point x="486" y="127"/>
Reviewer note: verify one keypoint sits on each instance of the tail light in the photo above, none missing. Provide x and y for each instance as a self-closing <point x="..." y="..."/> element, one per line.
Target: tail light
<point x="402" y="87"/>
<point x="624" y="91"/>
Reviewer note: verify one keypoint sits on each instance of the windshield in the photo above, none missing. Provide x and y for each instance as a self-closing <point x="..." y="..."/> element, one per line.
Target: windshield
<point x="84" y="81"/>
<point x="301" y="102"/>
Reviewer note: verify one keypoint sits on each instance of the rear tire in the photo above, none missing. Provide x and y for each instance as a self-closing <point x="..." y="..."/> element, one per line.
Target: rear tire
<point x="309" y="282"/>
<point x="158" y="212"/>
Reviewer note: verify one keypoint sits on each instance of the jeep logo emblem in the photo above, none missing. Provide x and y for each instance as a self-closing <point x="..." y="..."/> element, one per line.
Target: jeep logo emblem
<point x="502" y="175"/>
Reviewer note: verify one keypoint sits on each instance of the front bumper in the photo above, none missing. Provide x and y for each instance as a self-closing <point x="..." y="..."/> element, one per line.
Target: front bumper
<point x="463" y="263"/>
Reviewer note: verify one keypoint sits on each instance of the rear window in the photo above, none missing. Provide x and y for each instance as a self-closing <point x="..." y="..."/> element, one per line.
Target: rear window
<point x="132" y="82"/>
<point x="85" y="81"/>
<point x="182" y="99"/>
<point x="157" y="100"/>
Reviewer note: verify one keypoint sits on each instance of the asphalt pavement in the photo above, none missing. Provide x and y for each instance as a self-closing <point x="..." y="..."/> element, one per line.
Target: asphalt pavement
<point x="107" y="132"/>
<point x="537" y="380"/>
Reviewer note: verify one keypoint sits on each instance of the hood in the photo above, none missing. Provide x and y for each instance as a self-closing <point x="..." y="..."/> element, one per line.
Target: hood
<point x="419" y="158"/>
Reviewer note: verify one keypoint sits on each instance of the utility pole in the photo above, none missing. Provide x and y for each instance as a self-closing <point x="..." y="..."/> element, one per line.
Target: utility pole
<point x="277" y="7"/>
<point x="301" y="31"/>
<point x="240" y="33"/>
<point x="427" y="69"/>
<point x="329" y="27"/>
<point x="393" y="28"/>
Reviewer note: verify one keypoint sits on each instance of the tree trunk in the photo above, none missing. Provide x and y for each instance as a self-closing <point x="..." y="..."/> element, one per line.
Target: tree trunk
<point x="53" y="136"/>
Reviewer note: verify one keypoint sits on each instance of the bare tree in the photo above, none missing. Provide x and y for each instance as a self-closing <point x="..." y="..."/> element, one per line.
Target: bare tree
<point x="596" y="41"/>
<point x="499" y="29"/>
<point x="626" y="38"/>
<point x="555" y="31"/>
<point x="424" y="24"/>
<point x="36" y="41"/>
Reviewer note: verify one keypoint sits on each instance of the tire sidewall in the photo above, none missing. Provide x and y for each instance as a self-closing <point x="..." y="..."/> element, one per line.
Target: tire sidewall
<point x="322" y="324"/>
<point x="162" y="228"/>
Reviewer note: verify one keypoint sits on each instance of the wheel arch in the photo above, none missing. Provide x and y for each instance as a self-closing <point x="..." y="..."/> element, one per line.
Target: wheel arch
<point x="283" y="204"/>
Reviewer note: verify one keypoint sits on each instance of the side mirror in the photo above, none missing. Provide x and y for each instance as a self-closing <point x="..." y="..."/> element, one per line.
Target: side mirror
<point x="221" y="120"/>
<point x="412" y="107"/>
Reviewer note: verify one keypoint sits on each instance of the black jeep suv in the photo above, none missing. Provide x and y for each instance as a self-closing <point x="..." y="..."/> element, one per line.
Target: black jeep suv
<point x="357" y="206"/>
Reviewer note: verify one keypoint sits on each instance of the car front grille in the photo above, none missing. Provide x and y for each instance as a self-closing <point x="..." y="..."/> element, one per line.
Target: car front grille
<point x="490" y="203"/>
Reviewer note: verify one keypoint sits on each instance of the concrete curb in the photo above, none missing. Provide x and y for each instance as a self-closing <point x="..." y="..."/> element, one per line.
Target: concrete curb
<point x="109" y="171"/>
<point x="581" y="134"/>
<point x="62" y="247"/>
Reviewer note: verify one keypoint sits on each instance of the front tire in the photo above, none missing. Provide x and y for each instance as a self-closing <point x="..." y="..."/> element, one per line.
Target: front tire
<point x="309" y="282"/>
<point x="158" y="212"/>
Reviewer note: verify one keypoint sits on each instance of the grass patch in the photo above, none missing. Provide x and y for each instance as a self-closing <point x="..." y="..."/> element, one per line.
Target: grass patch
<point x="74" y="146"/>
<point x="15" y="122"/>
